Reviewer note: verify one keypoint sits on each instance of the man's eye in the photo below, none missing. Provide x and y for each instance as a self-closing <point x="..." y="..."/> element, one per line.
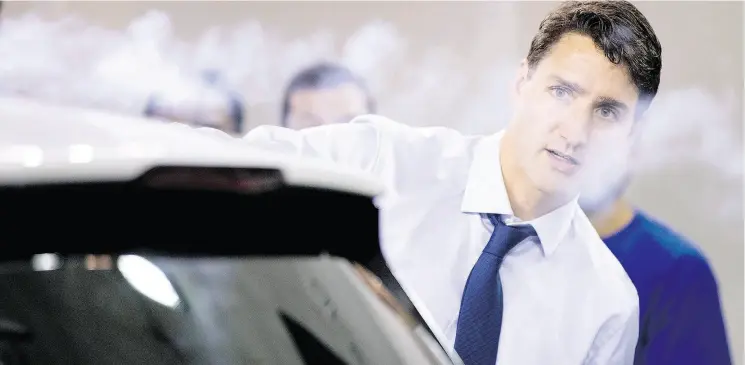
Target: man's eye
<point x="560" y="92"/>
<point x="607" y="113"/>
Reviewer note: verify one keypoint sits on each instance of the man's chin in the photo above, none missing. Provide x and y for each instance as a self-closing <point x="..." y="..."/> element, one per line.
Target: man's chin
<point x="554" y="182"/>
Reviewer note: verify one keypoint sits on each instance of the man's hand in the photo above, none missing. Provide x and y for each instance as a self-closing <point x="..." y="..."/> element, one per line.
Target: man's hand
<point x="378" y="288"/>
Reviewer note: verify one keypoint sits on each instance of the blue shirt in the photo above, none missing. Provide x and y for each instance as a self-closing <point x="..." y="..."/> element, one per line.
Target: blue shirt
<point x="680" y="319"/>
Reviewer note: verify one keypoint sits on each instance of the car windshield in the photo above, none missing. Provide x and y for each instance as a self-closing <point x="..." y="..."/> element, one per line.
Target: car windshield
<point x="160" y="275"/>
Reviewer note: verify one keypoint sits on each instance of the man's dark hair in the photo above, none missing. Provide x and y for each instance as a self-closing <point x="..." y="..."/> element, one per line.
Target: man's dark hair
<point x="320" y="76"/>
<point x="618" y="28"/>
<point x="212" y="79"/>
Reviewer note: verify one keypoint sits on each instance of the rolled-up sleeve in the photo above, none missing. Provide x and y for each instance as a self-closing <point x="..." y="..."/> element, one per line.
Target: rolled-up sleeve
<point x="354" y="145"/>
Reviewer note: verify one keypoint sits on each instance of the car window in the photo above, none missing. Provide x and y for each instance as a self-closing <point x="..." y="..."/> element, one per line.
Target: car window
<point x="162" y="310"/>
<point x="194" y="271"/>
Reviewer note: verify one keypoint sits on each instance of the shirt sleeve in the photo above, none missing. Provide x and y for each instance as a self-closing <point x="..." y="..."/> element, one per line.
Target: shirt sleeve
<point x="685" y="324"/>
<point x="615" y="343"/>
<point x="354" y="145"/>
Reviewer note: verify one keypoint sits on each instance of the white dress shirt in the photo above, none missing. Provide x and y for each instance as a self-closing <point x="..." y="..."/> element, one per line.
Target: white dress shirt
<point x="567" y="300"/>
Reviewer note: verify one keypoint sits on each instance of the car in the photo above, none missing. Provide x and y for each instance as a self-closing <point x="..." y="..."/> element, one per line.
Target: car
<point x="132" y="241"/>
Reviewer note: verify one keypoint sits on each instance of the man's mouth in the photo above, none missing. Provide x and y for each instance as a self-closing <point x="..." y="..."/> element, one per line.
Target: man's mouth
<point x="562" y="156"/>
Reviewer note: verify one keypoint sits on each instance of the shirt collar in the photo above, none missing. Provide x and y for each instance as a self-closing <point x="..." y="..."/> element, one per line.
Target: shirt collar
<point x="486" y="193"/>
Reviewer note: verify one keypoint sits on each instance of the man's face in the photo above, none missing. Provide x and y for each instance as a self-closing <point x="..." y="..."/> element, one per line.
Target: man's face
<point x="314" y="107"/>
<point x="574" y="115"/>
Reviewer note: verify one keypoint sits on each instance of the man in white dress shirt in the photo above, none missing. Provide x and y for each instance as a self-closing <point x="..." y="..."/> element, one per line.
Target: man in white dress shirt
<point x="561" y="296"/>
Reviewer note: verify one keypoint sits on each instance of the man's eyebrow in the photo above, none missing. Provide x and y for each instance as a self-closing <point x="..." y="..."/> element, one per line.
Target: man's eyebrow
<point x="575" y="87"/>
<point x="611" y="102"/>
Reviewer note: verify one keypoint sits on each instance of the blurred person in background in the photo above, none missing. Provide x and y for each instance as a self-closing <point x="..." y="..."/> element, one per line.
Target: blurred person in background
<point x="681" y="318"/>
<point x="210" y="104"/>
<point x="456" y="206"/>
<point x="324" y="93"/>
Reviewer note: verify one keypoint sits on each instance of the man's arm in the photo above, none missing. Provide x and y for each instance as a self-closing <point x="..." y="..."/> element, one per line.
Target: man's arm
<point x="615" y="343"/>
<point x="355" y="145"/>
<point x="685" y="323"/>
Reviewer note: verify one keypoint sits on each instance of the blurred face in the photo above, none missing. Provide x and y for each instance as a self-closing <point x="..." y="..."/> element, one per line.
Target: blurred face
<point x="314" y="107"/>
<point x="574" y="115"/>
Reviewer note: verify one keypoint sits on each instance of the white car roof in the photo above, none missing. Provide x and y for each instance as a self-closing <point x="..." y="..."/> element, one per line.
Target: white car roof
<point x="45" y="143"/>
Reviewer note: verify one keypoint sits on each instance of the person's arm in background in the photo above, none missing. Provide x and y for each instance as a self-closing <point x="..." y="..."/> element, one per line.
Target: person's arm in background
<point x="686" y="325"/>
<point x="615" y="343"/>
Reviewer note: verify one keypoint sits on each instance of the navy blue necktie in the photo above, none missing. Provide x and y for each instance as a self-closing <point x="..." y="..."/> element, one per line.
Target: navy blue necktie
<point x="480" y="318"/>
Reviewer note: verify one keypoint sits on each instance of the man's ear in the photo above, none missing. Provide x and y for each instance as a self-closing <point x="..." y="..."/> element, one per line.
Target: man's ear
<point x="523" y="73"/>
<point x="637" y="127"/>
<point x="636" y="139"/>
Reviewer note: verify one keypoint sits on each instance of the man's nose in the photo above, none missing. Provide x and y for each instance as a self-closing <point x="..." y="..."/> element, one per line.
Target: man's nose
<point x="575" y="128"/>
